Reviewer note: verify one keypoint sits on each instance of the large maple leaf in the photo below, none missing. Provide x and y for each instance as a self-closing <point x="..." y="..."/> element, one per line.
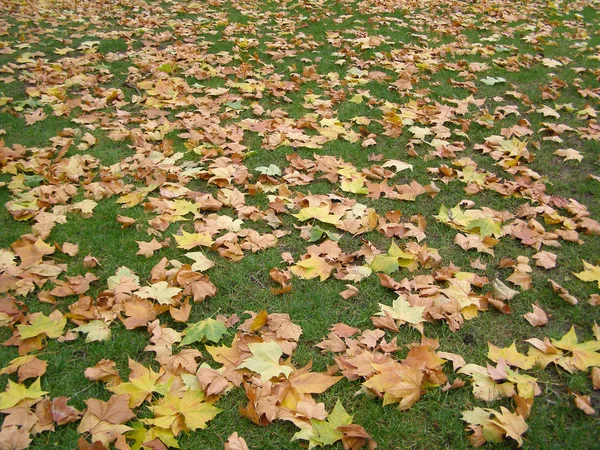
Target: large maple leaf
<point x="206" y="330"/>
<point x="142" y="383"/>
<point x="189" y="412"/>
<point x="15" y="393"/>
<point x="398" y="383"/>
<point x="265" y="360"/>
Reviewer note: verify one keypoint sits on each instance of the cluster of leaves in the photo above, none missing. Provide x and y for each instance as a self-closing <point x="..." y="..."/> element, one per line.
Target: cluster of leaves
<point x="220" y="153"/>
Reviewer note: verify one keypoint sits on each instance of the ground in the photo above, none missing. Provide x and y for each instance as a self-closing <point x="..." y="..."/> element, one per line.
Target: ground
<point x="310" y="223"/>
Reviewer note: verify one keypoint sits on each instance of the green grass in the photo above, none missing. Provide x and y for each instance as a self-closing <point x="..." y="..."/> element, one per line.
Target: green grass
<point x="137" y="40"/>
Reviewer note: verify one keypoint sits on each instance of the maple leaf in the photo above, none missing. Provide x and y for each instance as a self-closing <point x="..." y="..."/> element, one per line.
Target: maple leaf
<point x="563" y="293"/>
<point x="502" y="291"/>
<point x="320" y="213"/>
<point x="584" y="403"/>
<point x="490" y="81"/>
<point x="349" y="292"/>
<point x="265" y="360"/>
<point x="398" y="165"/>
<point x="316" y="232"/>
<point x="121" y="276"/>
<point x="487" y="226"/>
<point x="545" y="259"/>
<point x="46" y="326"/>
<point x="584" y="354"/>
<point x="402" y="311"/>
<point x="14" y="438"/>
<point x="325" y="432"/>
<point x="153" y="437"/>
<point x="302" y="382"/>
<point x="568" y="154"/>
<point x="201" y="262"/>
<point x="147" y="249"/>
<point x="398" y="383"/>
<point x="355" y="185"/>
<point x="283" y="327"/>
<point x="537" y="318"/>
<point x="494" y="425"/>
<point x="590" y="273"/>
<point x="161" y="292"/>
<point x="96" y="330"/>
<point x="15" y="393"/>
<point x="142" y="383"/>
<point x="211" y="381"/>
<point x="484" y="386"/>
<point x="206" y="330"/>
<point x="104" y="420"/>
<point x="511" y="355"/>
<point x="235" y="442"/>
<point x="595" y="376"/>
<point x="105" y="371"/>
<point x="392" y="261"/>
<point x="272" y="170"/>
<point x="188" y="241"/>
<point x="28" y="366"/>
<point x="190" y="412"/>
<point x="312" y="267"/>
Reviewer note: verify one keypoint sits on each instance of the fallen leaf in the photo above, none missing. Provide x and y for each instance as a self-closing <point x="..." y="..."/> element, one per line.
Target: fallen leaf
<point x="537" y="318"/>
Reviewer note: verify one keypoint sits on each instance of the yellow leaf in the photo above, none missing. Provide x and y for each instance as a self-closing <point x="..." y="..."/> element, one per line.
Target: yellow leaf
<point x="141" y="385"/>
<point x="402" y="310"/>
<point x="44" y="326"/>
<point x="96" y="330"/>
<point x="590" y="273"/>
<point x="161" y="292"/>
<point x="189" y="412"/>
<point x="511" y="355"/>
<point x="15" y="393"/>
<point x="318" y="212"/>
<point x="584" y="354"/>
<point x="312" y="267"/>
<point x="399" y="383"/>
<point x="188" y="241"/>
<point x="265" y="360"/>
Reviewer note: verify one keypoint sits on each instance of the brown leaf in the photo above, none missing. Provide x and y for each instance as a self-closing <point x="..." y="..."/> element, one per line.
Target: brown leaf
<point x="181" y="314"/>
<point x="147" y="249"/>
<point x="82" y="444"/>
<point x="70" y="249"/>
<point x="115" y="410"/>
<point x="563" y="293"/>
<point x="63" y="413"/>
<point x="343" y="330"/>
<point x="545" y="259"/>
<point x="211" y="381"/>
<point x="89" y="262"/>
<point x="33" y="368"/>
<point x="350" y="292"/>
<point x="234" y="442"/>
<point x="537" y="318"/>
<point x="14" y="438"/>
<point x="355" y="437"/>
<point x="155" y="444"/>
<point x="584" y="403"/>
<point x="125" y="221"/>
<point x="105" y="371"/>
<point x="36" y="116"/>
<point x="595" y="376"/>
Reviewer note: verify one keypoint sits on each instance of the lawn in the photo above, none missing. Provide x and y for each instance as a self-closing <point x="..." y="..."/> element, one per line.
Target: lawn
<point x="293" y="224"/>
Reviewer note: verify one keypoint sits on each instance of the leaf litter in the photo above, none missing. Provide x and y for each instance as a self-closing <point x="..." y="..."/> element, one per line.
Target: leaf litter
<point x="190" y="118"/>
